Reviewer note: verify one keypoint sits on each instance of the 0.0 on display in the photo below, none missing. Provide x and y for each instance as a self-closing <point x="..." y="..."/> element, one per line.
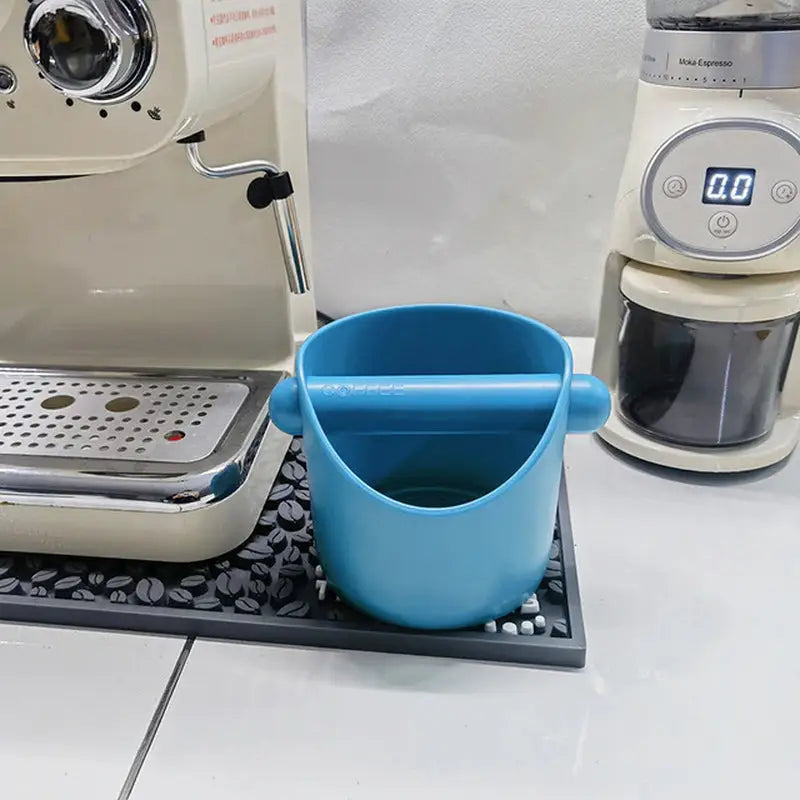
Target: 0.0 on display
<point x="732" y="186"/>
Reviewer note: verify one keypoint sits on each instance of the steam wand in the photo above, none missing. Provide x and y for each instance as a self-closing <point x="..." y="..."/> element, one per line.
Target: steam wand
<point x="275" y="189"/>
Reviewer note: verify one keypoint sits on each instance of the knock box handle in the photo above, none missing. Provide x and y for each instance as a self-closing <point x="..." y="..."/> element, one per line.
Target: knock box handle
<point x="438" y="404"/>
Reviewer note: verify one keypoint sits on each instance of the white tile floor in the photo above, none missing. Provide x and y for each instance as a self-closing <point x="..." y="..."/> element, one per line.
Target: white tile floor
<point x="74" y="708"/>
<point x="302" y="724"/>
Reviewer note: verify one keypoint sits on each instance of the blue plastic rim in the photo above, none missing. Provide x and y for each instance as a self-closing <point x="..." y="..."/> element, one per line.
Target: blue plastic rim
<point x="434" y="532"/>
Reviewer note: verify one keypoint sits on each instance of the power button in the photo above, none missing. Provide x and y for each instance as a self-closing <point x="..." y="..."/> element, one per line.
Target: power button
<point x="723" y="225"/>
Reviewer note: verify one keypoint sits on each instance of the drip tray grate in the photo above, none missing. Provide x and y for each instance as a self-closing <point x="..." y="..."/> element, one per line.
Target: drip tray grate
<point x="152" y="419"/>
<point x="272" y="590"/>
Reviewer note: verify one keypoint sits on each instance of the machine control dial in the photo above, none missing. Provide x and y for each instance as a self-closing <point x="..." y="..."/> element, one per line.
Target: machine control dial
<point x="784" y="192"/>
<point x="8" y="80"/>
<point x="101" y="51"/>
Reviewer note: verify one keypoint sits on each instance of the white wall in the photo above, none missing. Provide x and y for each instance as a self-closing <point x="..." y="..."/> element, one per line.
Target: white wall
<point x="468" y="151"/>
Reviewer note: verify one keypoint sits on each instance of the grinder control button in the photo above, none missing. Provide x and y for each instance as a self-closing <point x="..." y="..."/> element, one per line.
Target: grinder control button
<point x="675" y="187"/>
<point x="723" y="225"/>
<point x="784" y="192"/>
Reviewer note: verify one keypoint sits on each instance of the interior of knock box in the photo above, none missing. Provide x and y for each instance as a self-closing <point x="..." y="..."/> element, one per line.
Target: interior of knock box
<point x="423" y="470"/>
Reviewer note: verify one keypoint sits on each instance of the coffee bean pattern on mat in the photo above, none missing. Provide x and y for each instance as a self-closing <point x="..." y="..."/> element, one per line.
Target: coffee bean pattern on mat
<point x="275" y="574"/>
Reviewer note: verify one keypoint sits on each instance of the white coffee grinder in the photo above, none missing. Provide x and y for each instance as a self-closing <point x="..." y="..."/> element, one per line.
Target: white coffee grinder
<point x="701" y="298"/>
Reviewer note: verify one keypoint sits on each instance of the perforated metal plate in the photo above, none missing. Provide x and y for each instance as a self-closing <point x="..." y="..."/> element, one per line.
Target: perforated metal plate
<point x="70" y="415"/>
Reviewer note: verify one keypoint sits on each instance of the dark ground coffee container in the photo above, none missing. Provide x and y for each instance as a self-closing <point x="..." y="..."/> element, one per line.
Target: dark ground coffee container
<point x="702" y="384"/>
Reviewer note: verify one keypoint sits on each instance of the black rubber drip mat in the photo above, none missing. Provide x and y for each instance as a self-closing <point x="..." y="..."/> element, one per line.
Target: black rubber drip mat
<point x="272" y="590"/>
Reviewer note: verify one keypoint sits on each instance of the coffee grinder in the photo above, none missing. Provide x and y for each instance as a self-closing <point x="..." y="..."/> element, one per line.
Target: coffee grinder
<point x="145" y="306"/>
<point x="701" y="296"/>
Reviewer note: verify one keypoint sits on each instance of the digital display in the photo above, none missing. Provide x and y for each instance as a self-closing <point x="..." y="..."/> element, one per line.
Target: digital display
<point x="729" y="186"/>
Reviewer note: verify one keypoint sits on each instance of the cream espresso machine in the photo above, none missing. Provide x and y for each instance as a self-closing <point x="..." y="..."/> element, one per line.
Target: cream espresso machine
<point x="701" y="298"/>
<point x="145" y="307"/>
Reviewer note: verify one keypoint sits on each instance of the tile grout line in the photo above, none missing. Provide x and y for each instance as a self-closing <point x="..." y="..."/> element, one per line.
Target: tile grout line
<point x="155" y="722"/>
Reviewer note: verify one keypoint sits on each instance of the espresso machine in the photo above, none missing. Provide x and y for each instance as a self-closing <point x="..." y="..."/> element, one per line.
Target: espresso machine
<point x="701" y="295"/>
<point x="155" y="284"/>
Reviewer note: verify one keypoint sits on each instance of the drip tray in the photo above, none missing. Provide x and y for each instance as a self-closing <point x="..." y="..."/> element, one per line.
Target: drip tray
<point x="105" y="417"/>
<point x="155" y="437"/>
<point x="273" y="590"/>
